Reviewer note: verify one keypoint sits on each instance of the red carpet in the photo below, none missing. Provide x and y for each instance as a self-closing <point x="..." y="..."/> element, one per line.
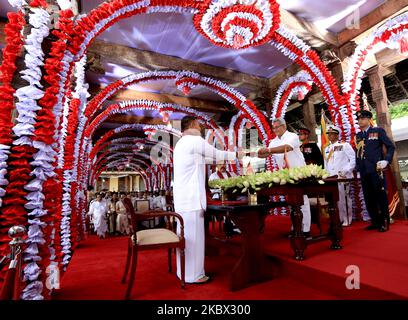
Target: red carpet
<point x="97" y="265"/>
<point x="382" y="259"/>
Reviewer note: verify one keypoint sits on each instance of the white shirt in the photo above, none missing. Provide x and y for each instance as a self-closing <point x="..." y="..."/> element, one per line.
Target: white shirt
<point x="295" y="157"/>
<point x="339" y="156"/>
<point x="97" y="208"/>
<point x="189" y="158"/>
<point x="159" y="202"/>
<point x="120" y="207"/>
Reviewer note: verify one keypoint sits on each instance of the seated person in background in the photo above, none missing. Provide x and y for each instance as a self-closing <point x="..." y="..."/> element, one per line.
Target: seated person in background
<point x="159" y="201"/>
<point x="149" y="196"/>
<point x="310" y="149"/>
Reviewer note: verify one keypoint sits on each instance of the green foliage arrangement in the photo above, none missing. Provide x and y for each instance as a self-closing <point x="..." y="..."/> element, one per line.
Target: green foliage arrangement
<point x="397" y="111"/>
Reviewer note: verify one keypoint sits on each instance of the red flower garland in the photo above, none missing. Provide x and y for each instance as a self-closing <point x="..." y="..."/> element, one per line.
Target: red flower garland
<point x="13" y="211"/>
<point x="8" y="67"/>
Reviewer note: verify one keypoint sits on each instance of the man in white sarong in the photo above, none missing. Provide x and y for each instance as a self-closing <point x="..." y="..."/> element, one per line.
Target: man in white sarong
<point x="190" y="200"/>
<point x="122" y="220"/>
<point x="286" y="150"/>
<point x="97" y="213"/>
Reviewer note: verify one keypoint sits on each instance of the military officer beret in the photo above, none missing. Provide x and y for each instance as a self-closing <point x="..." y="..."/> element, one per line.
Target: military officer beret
<point x="304" y="131"/>
<point x="364" y="114"/>
<point x="333" y="129"/>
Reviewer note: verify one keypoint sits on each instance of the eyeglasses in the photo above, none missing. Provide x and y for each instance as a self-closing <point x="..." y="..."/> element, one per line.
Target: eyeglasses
<point x="277" y="127"/>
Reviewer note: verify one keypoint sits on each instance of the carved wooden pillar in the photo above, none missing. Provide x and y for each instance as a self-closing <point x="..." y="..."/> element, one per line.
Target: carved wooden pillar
<point x="379" y="93"/>
<point x="310" y="119"/>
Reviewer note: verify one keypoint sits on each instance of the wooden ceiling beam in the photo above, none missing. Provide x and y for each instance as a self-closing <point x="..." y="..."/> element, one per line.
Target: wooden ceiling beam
<point x="385" y="11"/>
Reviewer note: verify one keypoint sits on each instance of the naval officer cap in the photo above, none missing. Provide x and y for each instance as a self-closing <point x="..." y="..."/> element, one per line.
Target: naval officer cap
<point x="333" y="129"/>
<point x="364" y="114"/>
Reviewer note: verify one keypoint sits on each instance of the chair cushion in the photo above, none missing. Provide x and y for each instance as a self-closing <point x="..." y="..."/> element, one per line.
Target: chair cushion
<point x="313" y="202"/>
<point x="156" y="236"/>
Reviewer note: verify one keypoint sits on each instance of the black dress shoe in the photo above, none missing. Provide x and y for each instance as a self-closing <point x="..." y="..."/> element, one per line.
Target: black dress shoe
<point x="371" y="227"/>
<point x="382" y="229"/>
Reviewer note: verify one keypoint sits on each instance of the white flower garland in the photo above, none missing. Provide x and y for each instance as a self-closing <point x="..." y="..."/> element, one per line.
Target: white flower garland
<point x="4" y="152"/>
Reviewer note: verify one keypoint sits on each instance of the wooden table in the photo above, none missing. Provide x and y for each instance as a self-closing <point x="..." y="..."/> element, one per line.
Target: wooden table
<point x="253" y="265"/>
<point x="294" y="198"/>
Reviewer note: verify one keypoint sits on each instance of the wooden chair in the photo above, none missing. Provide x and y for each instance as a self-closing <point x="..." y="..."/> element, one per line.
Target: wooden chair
<point x="150" y="239"/>
<point x="142" y="206"/>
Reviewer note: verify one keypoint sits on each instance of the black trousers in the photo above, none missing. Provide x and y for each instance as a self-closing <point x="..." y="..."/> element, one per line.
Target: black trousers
<point x="375" y="198"/>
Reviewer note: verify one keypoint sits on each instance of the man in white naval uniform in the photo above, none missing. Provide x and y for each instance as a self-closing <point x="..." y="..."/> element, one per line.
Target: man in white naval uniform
<point x="340" y="160"/>
<point x="190" y="199"/>
<point x="285" y="147"/>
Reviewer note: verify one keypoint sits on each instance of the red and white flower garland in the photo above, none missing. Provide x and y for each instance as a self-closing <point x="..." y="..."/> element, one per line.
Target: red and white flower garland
<point x="163" y="108"/>
<point x="24" y="130"/>
<point x="324" y="83"/>
<point x="22" y="150"/>
<point x="72" y="127"/>
<point x="299" y="84"/>
<point x="238" y="24"/>
<point x="187" y="80"/>
<point x="298" y="51"/>
<point x="390" y="34"/>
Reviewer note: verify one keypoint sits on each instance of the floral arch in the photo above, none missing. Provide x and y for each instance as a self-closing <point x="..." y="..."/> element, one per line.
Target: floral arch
<point x="28" y="195"/>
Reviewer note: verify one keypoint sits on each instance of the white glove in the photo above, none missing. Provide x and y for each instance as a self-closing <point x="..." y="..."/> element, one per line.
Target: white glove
<point x="382" y="164"/>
